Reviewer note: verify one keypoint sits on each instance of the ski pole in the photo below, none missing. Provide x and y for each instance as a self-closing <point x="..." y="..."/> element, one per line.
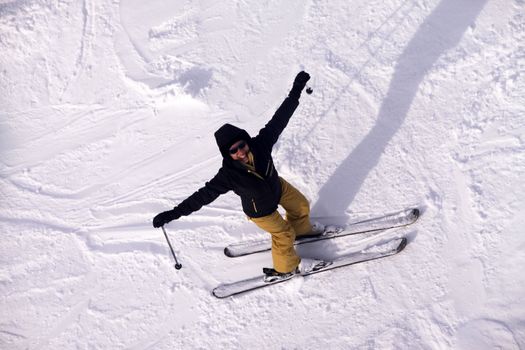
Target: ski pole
<point x="177" y="265"/>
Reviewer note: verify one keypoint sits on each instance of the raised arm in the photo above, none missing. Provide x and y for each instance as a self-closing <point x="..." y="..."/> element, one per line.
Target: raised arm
<point x="269" y="135"/>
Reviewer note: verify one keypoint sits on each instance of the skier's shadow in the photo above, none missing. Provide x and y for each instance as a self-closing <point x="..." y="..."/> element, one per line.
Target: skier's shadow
<point x="441" y="31"/>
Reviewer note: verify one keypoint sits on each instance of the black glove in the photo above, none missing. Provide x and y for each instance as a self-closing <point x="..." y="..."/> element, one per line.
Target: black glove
<point x="165" y="217"/>
<point x="299" y="83"/>
<point x="300" y="80"/>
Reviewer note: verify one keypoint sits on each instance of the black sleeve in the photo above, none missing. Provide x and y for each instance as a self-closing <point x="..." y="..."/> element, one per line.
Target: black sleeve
<point x="207" y="194"/>
<point x="269" y="135"/>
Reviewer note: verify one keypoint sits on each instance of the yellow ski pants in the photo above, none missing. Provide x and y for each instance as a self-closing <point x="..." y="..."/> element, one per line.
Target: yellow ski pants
<point x="284" y="231"/>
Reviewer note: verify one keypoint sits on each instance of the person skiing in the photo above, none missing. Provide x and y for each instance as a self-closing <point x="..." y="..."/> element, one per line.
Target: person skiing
<point x="248" y="170"/>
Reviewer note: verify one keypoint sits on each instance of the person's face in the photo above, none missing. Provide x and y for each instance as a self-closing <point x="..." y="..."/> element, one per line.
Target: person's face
<point x="239" y="151"/>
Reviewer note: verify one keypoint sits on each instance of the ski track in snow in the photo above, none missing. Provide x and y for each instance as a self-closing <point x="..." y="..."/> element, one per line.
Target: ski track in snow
<point x="107" y="117"/>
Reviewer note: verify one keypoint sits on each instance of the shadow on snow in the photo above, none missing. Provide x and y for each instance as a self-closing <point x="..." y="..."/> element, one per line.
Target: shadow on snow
<point x="441" y="31"/>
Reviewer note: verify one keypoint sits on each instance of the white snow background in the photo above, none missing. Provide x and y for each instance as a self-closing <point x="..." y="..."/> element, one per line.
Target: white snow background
<point x="108" y="110"/>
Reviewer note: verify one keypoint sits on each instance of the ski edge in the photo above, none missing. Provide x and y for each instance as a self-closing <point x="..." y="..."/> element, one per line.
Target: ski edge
<point x="414" y="213"/>
<point x="401" y="246"/>
<point x="214" y="291"/>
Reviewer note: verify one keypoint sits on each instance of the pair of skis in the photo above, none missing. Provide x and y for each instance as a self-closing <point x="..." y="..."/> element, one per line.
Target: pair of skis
<point x="364" y="229"/>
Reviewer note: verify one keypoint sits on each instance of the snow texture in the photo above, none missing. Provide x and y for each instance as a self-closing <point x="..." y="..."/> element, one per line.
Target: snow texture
<point x="107" y="115"/>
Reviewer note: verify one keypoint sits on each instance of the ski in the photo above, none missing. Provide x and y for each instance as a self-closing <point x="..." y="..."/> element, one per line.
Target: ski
<point x="372" y="252"/>
<point x="374" y="225"/>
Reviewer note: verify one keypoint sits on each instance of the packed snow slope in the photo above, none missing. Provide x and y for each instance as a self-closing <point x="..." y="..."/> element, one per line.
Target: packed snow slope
<point x="108" y="110"/>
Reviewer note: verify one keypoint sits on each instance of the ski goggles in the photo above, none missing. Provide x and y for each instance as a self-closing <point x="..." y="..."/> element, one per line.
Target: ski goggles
<point x="241" y="145"/>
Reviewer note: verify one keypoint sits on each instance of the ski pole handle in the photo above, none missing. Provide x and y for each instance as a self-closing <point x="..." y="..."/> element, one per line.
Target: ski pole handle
<point x="177" y="265"/>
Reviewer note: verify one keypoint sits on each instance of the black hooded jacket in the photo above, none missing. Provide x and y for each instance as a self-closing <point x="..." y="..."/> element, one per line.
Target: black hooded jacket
<point x="261" y="192"/>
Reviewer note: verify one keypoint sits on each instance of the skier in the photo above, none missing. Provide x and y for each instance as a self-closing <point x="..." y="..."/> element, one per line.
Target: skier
<point x="248" y="170"/>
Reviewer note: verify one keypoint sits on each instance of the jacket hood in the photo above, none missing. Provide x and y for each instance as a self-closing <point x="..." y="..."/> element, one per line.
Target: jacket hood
<point x="227" y="135"/>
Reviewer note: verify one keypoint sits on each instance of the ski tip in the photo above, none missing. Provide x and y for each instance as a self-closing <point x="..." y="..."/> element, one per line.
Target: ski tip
<point x="228" y="253"/>
<point x="232" y="254"/>
<point x="218" y="295"/>
<point x="402" y="244"/>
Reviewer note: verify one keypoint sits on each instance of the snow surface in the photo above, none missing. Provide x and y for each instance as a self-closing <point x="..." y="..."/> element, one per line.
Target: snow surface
<point x="108" y="110"/>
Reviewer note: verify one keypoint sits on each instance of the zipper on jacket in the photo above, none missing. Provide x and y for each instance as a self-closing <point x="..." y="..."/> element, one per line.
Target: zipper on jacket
<point x="254" y="206"/>
<point x="254" y="173"/>
<point x="268" y="167"/>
